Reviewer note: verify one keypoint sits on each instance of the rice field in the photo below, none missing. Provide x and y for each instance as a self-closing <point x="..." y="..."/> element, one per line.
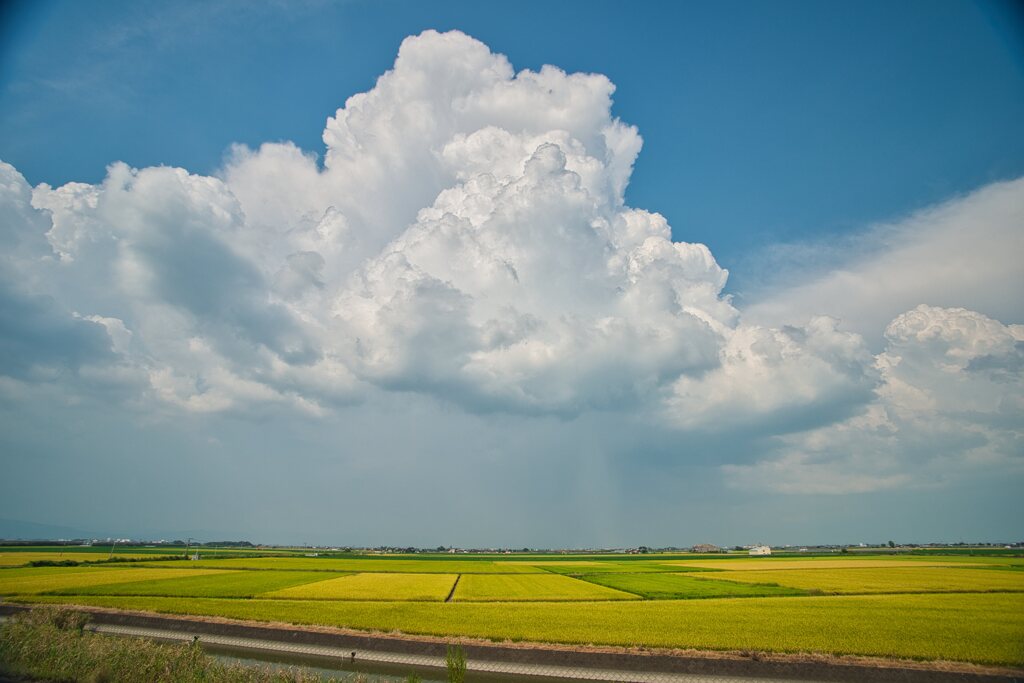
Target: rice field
<point x="17" y="559"/>
<point x="399" y="566"/>
<point x="961" y="608"/>
<point x="530" y="587"/>
<point x="45" y="579"/>
<point x="383" y="587"/>
<point x="210" y="584"/>
<point x="586" y="568"/>
<point x="666" y="586"/>
<point x="768" y="564"/>
<point x="874" y="580"/>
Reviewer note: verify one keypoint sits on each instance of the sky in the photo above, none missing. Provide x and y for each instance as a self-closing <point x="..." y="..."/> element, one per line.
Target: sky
<point x="505" y="275"/>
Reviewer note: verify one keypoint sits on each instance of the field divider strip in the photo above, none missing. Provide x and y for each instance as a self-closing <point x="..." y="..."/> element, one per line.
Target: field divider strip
<point x="455" y="585"/>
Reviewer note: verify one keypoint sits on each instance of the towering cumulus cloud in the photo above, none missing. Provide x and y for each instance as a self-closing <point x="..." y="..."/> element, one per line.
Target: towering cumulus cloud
<point x="466" y="238"/>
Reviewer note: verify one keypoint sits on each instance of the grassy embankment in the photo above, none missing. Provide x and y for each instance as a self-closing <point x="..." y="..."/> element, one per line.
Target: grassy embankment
<point x="50" y="644"/>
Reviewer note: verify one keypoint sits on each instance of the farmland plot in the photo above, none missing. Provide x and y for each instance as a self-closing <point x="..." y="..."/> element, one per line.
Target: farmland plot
<point x="46" y="579"/>
<point x="894" y="580"/>
<point x="17" y="559"/>
<point x="500" y="587"/>
<point x="401" y="566"/>
<point x="682" y="586"/>
<point x="216" y="584"/>
<point x="767" y="565"/>
<point x="585" y="568"/>
<point x="973" y="610"/>
<point x="390" y="586"/>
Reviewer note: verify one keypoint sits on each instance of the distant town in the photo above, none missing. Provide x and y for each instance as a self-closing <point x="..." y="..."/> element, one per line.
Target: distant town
<point x="709" y="548"/>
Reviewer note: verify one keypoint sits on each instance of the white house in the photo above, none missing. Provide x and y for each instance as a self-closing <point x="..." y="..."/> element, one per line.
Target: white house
<point x="760" y="550"/>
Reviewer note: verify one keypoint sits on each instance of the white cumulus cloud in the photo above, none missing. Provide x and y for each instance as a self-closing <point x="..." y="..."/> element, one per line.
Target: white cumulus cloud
<point x="950" y="401"/>
<point x="465" y="237"/>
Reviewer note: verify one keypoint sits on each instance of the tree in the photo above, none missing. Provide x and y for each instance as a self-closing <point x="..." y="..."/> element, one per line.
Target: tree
<point x="891" y="544"/>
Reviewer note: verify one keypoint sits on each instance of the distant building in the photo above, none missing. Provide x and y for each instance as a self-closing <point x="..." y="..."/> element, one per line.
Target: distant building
<point x="706" y="548"/>
<point x="760" y="550"/>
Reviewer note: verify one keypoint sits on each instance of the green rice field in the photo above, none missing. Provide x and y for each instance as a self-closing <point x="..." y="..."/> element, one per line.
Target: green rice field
<point x="852" y="581"/>
<point x="958" y="608"/>
<point x="531" y="587"/>
<point x="22" y="558"/>
<point x="581" y="568"/>
<point x="665" y="586"/>
<point x="47" y="579"/>
<point x="210" y="584"/>
<point x="400" y="566"/>
<point x="838" y="563"/>
<point x="370" y="586"/>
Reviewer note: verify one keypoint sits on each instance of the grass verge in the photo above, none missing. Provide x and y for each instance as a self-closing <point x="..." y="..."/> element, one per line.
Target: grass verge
<point x="50" y="643"/>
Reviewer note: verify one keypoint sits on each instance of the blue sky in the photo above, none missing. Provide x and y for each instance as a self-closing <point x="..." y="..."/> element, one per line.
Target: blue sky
<point x="762" y="122"/>
<point x="852" y="160"/>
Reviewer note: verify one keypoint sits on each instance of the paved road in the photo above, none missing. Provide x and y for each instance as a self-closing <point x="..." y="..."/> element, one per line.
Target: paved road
<point x="380" y="657"/>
